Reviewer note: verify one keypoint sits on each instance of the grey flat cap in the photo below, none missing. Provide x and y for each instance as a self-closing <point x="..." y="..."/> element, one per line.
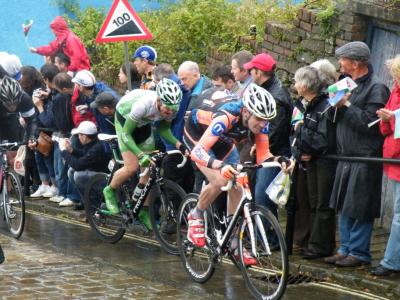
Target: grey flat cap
<point x="358" y="51"/>
<point x="104" y="99"/>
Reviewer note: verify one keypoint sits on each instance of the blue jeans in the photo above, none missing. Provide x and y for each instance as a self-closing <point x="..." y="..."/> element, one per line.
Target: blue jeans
<point x="65" y="187"/>
<point x="264" y="177"/>
<point x="80" y="179"/>
<point x="60" y="170"/>
<point x="45" y="165"/>
<point x="355" y="237"/>
<point x="391" y="259"/>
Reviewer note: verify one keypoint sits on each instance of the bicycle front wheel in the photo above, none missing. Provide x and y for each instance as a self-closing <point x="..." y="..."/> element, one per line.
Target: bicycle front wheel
<point x="268" y="278"/>
<point x="163" y="210"/>
<point x="108" y="228"/>
<point x="198" y="262"/>
<point x="14" y="204"/>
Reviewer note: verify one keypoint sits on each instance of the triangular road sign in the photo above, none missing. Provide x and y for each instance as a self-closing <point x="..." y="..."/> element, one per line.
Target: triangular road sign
<point x="122" y="24"/>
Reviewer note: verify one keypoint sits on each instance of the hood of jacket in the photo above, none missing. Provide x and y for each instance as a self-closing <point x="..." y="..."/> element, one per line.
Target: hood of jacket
<point x="60" y="27"/>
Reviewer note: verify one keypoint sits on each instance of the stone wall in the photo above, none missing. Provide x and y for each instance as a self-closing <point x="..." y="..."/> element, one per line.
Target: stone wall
<point x="306" y="40"/>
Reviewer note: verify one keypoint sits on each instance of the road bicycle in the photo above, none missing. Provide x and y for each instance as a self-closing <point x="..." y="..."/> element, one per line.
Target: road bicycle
<point x="12" y="199"/>
<point x="254" y="228"/>
<point x="165" y="198"/>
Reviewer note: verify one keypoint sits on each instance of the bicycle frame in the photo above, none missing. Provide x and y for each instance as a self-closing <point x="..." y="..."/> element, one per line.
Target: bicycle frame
<point x="153" y="169"/>
<point x="3" y="168"/>
<point x="154" y="176"/>
<point x="244" y="206"/>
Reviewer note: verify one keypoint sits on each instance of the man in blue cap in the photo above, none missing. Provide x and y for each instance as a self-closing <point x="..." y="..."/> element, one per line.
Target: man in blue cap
<point x="145" y="61"/>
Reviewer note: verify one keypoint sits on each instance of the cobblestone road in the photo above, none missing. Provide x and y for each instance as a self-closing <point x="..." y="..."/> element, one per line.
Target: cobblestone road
<point x="34" y="272"/>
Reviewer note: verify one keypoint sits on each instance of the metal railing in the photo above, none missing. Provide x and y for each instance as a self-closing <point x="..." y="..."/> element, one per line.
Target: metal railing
<point x="291" y="205"/>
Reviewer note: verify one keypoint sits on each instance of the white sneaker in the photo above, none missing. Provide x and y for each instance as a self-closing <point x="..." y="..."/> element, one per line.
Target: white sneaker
<point x="40" y="191"/>
<point x="52" y="191"/>
<point x="56" y="199"/>
<point x="66" y="202"/>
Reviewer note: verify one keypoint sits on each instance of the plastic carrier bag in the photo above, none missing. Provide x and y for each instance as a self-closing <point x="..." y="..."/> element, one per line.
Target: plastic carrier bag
<point x="279" y="189"/>
<point x="19" y="161"/>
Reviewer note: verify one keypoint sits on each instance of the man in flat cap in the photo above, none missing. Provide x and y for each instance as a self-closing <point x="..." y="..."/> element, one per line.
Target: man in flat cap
<point x="103" y="108"/>
<point x="356" y="191"/>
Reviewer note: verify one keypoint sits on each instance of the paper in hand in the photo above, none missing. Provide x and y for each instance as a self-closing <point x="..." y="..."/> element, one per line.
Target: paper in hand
<point x="339" y="89"/>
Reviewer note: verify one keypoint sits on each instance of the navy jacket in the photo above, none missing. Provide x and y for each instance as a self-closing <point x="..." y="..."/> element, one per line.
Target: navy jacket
<point x="90" y="157"/>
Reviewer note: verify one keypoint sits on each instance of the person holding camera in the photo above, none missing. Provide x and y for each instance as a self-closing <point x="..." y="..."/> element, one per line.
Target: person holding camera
<point x="42" y="99"/>
<point x="85" y="157"/>
<point x="85" y="92"/>
<point x="61" y="109"/>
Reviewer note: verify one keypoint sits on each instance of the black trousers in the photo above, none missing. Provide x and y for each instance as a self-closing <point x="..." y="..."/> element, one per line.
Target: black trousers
<point x="183" y="176"/>
<point x="31" y="171"/>
<point x="1" y="255"/>
<point x="315" y="220"/>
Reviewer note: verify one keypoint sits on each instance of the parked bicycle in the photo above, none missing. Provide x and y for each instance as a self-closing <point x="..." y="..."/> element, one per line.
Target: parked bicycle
<point x="254" y="227"/>
<point x="163" y="205"/>
<point x="12" y="199"/>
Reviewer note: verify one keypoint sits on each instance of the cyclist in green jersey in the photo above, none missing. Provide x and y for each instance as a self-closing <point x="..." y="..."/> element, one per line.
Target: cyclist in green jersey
<point x="135" y="113"/>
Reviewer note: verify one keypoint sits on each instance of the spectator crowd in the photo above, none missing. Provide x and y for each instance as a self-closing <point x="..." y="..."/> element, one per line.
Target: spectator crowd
<point x="72" y="106"/>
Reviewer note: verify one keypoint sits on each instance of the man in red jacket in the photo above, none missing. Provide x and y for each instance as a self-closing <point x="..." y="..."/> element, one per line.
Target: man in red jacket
<point x="68" y="43"/>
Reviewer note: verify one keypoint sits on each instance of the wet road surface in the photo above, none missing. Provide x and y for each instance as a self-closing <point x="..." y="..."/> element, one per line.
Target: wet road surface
<point x="64" y="259"/>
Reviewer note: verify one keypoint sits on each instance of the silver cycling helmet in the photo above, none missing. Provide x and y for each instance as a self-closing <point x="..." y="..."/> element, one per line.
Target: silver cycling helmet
<point x="10" y="92"/>
<point x="169" y="92"/>
<point x="259" y="102"/>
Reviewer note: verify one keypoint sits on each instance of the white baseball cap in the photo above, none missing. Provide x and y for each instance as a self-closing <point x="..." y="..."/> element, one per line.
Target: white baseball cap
<point x="86" y="127"/>
<point x="11" y="64"/>
<point x="84" y="78"/>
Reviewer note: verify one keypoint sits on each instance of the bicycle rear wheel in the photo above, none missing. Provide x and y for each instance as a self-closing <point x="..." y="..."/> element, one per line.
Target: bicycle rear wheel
<point x="268" y="278"/>
<point x="198" y="262"/>
<point x="163" y="210"/>
<point x="13" y="204"/>
<point x="108" y="228"/>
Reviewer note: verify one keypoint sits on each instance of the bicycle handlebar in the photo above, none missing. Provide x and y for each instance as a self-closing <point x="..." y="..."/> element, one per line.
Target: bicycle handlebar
<point x="11" y="145"/>
<point x="184" y="159"/>
<point x="247" y="167"/>
<point x="159" y="156"/>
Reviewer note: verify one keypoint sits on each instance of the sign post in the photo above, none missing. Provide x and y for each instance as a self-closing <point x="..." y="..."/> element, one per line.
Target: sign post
<point x="123" y="24"/>
<point x="127" y="66"/>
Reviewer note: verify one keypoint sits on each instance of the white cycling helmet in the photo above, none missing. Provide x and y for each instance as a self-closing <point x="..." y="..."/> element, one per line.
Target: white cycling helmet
<point x="169" y="92"/>
<point x="10" y="92"/>
<point x="259" y="102"/>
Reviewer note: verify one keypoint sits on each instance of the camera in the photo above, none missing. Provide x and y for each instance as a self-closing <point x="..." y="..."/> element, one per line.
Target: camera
<point x="38" y="93"/>
<point x="56" y="138"/>
<point x="253" y="30"/>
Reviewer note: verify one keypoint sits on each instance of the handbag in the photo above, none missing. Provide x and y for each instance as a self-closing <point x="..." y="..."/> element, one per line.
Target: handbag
<point x="44" y="144"/>
<point x="19" y="161"/>
<point x="279" y="189"/>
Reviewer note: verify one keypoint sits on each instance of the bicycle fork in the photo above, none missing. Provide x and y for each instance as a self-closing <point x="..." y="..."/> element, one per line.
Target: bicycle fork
<point x="260" y="229"/>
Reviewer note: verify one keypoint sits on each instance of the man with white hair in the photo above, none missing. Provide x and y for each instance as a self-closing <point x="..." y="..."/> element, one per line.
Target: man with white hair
<point x="194" y="82"/>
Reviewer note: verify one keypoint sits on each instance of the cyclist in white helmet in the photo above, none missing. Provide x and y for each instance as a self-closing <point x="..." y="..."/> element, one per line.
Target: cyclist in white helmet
<point x="211" y="136"/>
<point x="134" y="115"/>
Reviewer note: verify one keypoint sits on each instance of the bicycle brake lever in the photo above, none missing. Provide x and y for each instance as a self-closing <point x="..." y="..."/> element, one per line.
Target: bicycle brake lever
<point x="145" y="172"/>
<point x="228" y="186"/>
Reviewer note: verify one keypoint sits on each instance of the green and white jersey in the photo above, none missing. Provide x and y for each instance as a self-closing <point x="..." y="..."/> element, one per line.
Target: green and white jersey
<point x="141" y="107"/>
